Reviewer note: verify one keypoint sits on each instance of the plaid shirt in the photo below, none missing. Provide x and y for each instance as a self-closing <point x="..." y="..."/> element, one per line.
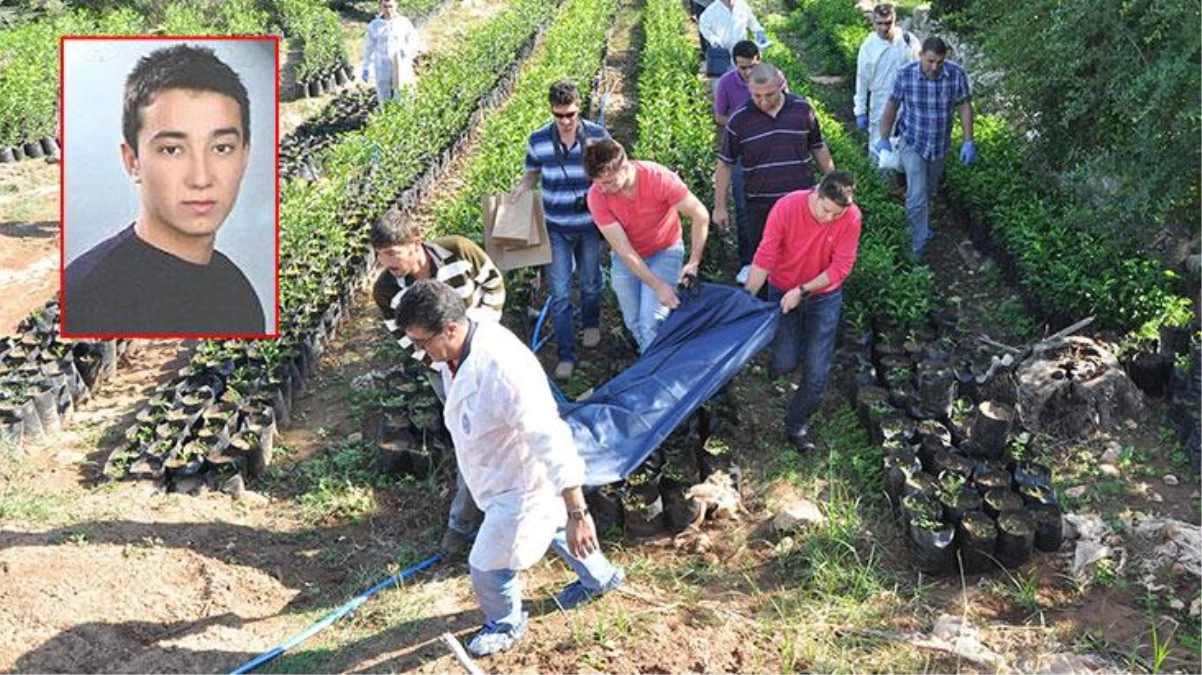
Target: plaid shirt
<point x="926" y="106"/>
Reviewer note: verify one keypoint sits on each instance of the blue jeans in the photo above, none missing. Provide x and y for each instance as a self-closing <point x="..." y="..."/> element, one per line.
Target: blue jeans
<point x="806" y="335"/>
<point x="746" y="250"/>
<point x="500" y="596"/>
<point x="641" y="309"/>
<point x="922" y="182"/>
<point x="583" y="251"/>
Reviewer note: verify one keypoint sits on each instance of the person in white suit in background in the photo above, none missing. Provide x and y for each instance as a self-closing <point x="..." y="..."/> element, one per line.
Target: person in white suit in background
<point x="882" y="54"/>
<point x="392" y="43"/>
<point x="517" y="457"/>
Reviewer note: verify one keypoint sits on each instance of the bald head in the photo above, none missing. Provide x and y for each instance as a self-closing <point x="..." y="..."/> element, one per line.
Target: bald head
<point x="765" y="74"/>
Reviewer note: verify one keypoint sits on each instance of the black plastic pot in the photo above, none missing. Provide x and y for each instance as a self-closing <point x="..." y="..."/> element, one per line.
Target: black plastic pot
<point x="6" y="155"/>
<point x="316" y="88"/>
<point x="45" y="403"/>
<point x="977" y="535"/>
<point x="50" y="146"/>
<point x="1049" y="527"/>
<point x="872" y="403"/>
<point x="955" y="463"/>
<point x="920" y="505"/>
<point x="991" y="428"/>
<point x="1037" y="494"/>
<point x="933" y="456"/>
<point x="679" y="511"/>
<point x="964" y="501"/>
<point x="1151" y="372"/>
<point x="932" y="551"/>
<point x="899" y="466"/>
<point x="894" y="427"/>
<point x="1033" y="474"/>
<point x="1001" y="500"/>
<point x="936" y="390"/>
<point x="33" y="150"/>
<point x="1016" y="538"/>
<point x="1174" y="340"/>
<point x="605" y="505"/>
<point x="18" y="153"/>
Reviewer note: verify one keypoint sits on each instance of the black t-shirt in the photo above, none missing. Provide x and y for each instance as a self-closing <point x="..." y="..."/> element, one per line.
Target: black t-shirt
<point x="128" y="287"/>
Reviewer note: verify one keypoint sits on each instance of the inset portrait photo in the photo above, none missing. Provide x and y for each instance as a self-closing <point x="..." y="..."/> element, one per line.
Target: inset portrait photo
<point x="169" y="192"/>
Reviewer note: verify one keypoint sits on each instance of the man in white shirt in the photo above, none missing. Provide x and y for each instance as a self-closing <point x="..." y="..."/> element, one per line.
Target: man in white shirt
<point x="517" y="457"/>
<point x="391" y="45"/>
<point x="882" y="54"/>
<point x="725" y="22"/>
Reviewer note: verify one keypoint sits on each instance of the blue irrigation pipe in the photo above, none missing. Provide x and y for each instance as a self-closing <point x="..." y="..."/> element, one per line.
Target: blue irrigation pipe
<point x="335" y="615"/>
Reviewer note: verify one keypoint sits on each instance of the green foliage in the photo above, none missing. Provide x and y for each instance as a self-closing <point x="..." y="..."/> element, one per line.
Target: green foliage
<point x="314" y="28"/>
<point x="242" y="17"/>
<point x="1112" y="90"/>
<point x="838" y="28"/>
<point x="184" y="18"/>
<point x="572" y="48"/>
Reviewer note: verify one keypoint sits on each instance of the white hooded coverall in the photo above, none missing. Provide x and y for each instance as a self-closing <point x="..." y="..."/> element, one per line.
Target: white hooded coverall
<point x="876" y="66"/>
<point x="515" y="453"/>
<point x="388" y="38"/>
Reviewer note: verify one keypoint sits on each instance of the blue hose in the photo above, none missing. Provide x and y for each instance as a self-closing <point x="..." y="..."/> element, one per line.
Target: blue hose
<point x="335" y="615"/>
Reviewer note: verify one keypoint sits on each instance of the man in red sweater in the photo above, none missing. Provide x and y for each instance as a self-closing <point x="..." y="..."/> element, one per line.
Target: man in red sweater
<point x="808" y="249"/>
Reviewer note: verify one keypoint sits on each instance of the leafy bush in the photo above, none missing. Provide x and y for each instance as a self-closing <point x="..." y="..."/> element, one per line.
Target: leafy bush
<point x="242" y="17"/>
<point x="184" y="18"/>
<point x="314" y="29"/>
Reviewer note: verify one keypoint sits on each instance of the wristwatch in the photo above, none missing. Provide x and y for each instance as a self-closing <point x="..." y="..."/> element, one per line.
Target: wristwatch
<point x="578" y="514"/>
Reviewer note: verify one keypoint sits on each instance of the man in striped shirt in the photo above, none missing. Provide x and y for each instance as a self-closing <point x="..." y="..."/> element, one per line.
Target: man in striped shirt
<point x="555" y="153"/>
<point x="467" y="269"/>
<point x="777" y="137"/>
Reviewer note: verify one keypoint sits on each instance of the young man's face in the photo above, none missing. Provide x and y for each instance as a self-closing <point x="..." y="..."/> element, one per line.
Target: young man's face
<point x="402" y="259"/>
<point x="617" y="180"/>
<point x="883" y="26"/>
<point x="387" y="8"/>
<point x="566" y="117"/>
<point x="190" y="160"/>
<point x="932" y="63"/>
<point x="744" y="65"/>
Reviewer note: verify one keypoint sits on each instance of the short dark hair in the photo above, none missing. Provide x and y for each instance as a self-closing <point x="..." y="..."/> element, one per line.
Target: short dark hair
<point x="179" y="67"/>
<point x="563" y="92"/>
<point x="838" y="186"/>
<point x="603" y="156"/>
<point x="934" y="45"/>
<point x="430" y="305"/>
<point x="884" y="11"/>
<point x="745" y="49"/>
<point x="393" y="228"/>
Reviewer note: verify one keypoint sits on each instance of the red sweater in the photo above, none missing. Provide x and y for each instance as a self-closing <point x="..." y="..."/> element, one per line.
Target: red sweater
<point x="796" y="247"/>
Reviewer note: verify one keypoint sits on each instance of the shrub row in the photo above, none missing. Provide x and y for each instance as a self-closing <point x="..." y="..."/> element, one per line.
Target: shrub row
<point x="240" y="390"/>
<point x="840" y="25"/>
<point x="29" y="54"/>
<point x="570" y="49"/>
<point x="1066" y="258"/>
<point x="313" y="28"/>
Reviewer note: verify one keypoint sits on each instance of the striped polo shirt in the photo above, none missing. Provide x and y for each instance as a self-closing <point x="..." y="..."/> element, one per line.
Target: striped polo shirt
<point x="776" y="151"/>
<point x="459" y="263"/>
<point x="563" y="176"/>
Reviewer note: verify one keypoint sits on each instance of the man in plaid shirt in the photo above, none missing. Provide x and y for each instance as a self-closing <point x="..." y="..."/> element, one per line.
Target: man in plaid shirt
<point x="927" y="92"/>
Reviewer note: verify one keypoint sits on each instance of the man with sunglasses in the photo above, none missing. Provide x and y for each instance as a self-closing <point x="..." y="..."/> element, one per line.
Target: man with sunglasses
<point x="809" y="248"/>
<point x="555" y="153"/>
<point x="777" y="138"/>
<point x="882" y="54"/>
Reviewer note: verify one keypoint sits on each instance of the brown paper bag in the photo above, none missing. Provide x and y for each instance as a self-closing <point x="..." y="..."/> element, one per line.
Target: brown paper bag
<point x="515" y="223"/>
<point x="507" y="257"/>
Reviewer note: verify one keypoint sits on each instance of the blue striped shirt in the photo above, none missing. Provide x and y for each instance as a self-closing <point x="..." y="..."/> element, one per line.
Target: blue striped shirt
<point x="926" y="105"/>
<point x="563" y="177"/>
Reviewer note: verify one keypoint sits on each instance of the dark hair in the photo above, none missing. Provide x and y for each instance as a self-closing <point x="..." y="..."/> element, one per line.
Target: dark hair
<point x="393" y="229"/>
<point x="430" y="305"/>
<point x="603" y="156"/>
<point x="179" y="67"/>
<point x="934" y="45"/>
<point x="838" y="186"/>
<point x="884" y="10"/>
<point x="745" y="49"/>
<point x="563" y="92"/>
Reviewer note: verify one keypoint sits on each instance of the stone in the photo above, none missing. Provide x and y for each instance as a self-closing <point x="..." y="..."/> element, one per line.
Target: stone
<point x="253" y="499"/>
<point x="1155" y="497"/>
<point x="1176" y="605"/>
<point x="1077" y="491"/>
<point x="799" y="515"/>
<point x="234" y="486"/>
<point x="1170" y="479"/>
<point x="1111" y="454"/>
<point x="1195" y="607"/>
<point x="355" y="438"/>
<point x="1109" y="470"/>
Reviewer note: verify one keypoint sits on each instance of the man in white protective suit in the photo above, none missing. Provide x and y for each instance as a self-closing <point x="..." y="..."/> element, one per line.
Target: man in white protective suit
<point x="391" y="45"/>
<point x="515" y="454"/>
<point x="882" y="54"/>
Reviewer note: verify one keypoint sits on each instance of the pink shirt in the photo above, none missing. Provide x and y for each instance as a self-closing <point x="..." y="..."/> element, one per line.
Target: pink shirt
<point x="796" y="247"/>
<point x="649" y="217"/>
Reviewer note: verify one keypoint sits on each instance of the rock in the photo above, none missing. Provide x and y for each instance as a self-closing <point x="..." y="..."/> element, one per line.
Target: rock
<point x="234" y="486"/>
<point x="355" y="438"/>
<point x="1170" y="479"/>
<point x="1076" y="492"/>
<point x="1176" y="605"/>
<point x="1195" y="607"/>
<point x="1111" y="454"/>
<point x="1177" y="569"/>
<point x="947" y="626"/>
<point x="798" y="515"/>
<point x="1109" y="470"/>
<point x="1155" y="497"/>
<point x="189" y="485"/>
<point x="253" y="499"/>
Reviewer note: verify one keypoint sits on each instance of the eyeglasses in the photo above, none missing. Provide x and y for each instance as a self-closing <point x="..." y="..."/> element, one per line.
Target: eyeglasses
<point x="565" y="116"/>
<point x="888" y="22"/>
<point x="421" y="343"/>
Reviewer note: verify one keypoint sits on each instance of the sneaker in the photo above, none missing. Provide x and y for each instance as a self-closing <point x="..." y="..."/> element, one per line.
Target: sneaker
<point x="741" y="277"/>
<point x="576" y="595"/>
<point x="454" y="544"/>
<point x="495" y="639"/>
<point x="802" y="442"/>
<point x="591" y="338"/>
<point x="564" y="370"/>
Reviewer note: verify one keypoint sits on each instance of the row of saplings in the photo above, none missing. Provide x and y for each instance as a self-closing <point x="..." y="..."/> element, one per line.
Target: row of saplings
<point x="954" y="471"/>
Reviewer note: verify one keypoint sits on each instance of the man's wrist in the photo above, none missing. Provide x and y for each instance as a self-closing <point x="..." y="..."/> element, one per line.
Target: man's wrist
<point x="578" y="514"/>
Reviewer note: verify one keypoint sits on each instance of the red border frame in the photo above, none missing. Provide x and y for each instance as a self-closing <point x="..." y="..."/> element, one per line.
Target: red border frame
<point x="62" y="134"/>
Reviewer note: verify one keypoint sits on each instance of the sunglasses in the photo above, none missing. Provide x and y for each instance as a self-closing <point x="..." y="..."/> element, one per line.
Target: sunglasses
<point x="565" y="116"/>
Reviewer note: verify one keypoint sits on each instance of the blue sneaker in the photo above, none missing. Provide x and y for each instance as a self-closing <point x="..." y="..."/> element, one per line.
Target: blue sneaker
<point x="576" y="595"/>
<point x="493" y="639"/>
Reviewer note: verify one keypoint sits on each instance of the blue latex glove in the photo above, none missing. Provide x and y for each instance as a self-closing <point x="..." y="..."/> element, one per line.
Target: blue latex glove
<point x="364" y="75"/>
<point x="761" y="37"/>
<point x="862" y="122"/>
<point x="968" y="152"/>
<point x="882" y="144"/>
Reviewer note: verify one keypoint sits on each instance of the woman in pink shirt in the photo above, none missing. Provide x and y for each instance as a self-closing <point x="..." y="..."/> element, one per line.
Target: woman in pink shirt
<point x="637" y="206"/>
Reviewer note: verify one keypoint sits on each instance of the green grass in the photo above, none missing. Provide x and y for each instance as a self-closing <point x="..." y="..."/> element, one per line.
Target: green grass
<point x="21" y="502"/>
